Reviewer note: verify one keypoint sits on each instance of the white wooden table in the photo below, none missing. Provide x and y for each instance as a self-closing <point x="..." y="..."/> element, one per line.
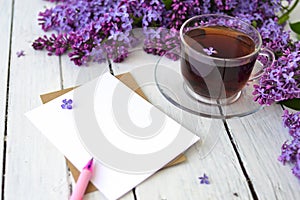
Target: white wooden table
<point x="238" y="155"/>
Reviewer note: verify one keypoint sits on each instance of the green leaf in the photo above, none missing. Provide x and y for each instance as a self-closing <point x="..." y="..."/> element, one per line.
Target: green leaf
<point x="254" y="23"/>
<point x="283" y="18"/>
<point x="292" y="103"/>
<point x="286" y="16"/>
<point x="295" y="27"/>
<point x="167" y="3"/>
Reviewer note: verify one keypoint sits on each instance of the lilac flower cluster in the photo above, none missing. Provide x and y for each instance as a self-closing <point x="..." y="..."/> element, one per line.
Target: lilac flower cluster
<point x="72" y="15"/>
<point x="280" y="81"/>
<point x="274" y="37"/>
<point x="290" y="150"/>
<point x="83" y="25"/>
<point x="54" y="44"/>
<point x="181" y="11"/>
<point x="162" y="41"/>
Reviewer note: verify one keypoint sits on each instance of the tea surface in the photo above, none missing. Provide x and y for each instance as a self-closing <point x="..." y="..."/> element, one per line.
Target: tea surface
<point x="208" y="79"/>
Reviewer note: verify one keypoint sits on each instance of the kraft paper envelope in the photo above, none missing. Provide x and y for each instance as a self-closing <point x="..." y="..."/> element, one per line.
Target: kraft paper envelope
<point x="128" y="80"/>
<point x="62" y="129"/>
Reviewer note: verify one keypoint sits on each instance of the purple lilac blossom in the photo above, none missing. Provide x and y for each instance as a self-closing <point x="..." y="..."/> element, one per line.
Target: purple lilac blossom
<point x="210" y="51"/>
<point x="204" y="179"/>
<point x="72" y="15"/>
<point x="274" y="37"/>
<point x="205" y="6"/>
<point x="151" y="12"/>
<point x="159" y="41"/>
<point x="67" y="104"/>
<point x="290" y="150"/>
<point x="55" y="44"/>
<point x="20" y="53"/>
<point x="280" y="81"/>
<point x="181" y="11"/>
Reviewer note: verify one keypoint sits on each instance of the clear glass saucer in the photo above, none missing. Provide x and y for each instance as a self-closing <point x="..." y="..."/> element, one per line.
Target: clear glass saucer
<point x="171" y="84"/>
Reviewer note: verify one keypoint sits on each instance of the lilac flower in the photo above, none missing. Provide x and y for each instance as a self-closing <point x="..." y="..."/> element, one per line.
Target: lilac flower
<point x="278" y="82"/>
<point x="274" y="37"/>
<point x="290" y="150"/>
<point x="292" y="122"/>
<point x="230" y="4"/>
<point x="55" y="44"/>
<point x="205" y="7"/>
<point x="152" y="12"/>
<point x="116" y="51"/>
<point x="204" y="179"/>
<point x="20" y="53"/>
<point x="67" y="104"/>
<point x="162" y="41"/>
<point x="56" y="0"/>
<point x="72" y="15"/>
<point x="219" y="4"/>
<point x="178" y="13"/>
<point x="209" y="51"/>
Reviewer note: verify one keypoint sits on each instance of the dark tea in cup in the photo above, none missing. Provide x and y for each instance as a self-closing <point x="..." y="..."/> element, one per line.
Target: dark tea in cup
<point x="218" y="58"/>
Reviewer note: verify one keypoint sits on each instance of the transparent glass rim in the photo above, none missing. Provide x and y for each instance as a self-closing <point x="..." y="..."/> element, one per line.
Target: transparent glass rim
<point x="221" y="16"/>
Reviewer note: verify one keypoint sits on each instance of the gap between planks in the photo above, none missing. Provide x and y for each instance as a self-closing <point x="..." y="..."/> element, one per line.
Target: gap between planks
<point x="6" y="95"/>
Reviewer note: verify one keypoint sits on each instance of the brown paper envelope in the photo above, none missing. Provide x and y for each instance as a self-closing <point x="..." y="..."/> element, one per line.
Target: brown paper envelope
<point x="128" y="80"/>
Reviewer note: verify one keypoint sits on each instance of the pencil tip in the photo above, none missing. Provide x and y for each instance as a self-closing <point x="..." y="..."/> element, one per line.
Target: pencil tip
<point x="89" y="164"/>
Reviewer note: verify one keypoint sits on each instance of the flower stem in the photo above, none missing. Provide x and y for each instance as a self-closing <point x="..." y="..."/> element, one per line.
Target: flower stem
<point x="283" y="18"/>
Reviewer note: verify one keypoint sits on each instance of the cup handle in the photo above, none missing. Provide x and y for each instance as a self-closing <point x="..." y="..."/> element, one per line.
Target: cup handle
<point x="271" y="58"/>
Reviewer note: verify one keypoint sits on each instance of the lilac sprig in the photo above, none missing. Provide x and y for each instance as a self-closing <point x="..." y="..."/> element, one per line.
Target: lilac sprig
<point x="55" y="44"/>
<point x="274" y="36"/>
<point x="75" y="18"/>
<point x="162" y="41"/>
<point x="152" y="12"/>
<point x="114" y="25"/>
<point x="179" y="12"/>
<point x="72" y="15"/>
<point x="290" y="150"/>
<point x="280" y="81"/>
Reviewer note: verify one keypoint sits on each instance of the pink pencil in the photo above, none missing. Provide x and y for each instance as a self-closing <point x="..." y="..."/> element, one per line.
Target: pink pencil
<point x="82" y="182"/>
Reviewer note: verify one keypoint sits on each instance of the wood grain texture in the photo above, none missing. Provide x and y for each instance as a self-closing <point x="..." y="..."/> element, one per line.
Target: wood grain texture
<point x="258" y="138"/>
<point x="5" y="30"/>
<point x="213" y="155"/>
<point x="73" y="75"/>
<point x="34" y="168"/>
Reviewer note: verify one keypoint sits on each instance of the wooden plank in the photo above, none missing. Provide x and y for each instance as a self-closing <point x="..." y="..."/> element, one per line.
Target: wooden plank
<point x="5" y="24"/>
<point x="258" y="138"/>
<point x="73" y="75"/>
<point x="213" y="155"/>
<point x="34" y="168"/>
